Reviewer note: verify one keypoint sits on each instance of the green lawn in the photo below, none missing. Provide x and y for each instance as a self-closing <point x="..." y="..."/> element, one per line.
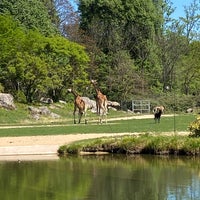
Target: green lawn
<point x="167" y="124"/>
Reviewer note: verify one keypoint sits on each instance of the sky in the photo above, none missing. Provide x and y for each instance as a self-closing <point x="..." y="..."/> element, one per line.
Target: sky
<point x="179" y="5"/>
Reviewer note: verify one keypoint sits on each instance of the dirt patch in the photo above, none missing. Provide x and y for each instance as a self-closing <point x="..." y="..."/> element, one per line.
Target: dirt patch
<point x="51" y="139"/>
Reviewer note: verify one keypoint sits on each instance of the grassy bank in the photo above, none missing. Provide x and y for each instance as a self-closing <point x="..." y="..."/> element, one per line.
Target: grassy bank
<point x="142" y="144"/>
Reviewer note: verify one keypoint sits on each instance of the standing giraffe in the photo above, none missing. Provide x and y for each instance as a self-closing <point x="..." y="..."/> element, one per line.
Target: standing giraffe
<point x="80" y="105"/>
<point x="101" y="102"/>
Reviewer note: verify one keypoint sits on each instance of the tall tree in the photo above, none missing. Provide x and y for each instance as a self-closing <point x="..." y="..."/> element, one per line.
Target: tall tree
<point x="171" y="45"/>
<point x="68" y="18"/>
<point x="31" y="14"/>
<point x="189" y="70"/>
<point x="119" y="25"/>
<point x="52" y="11"/>
<point x="191" y="21"/>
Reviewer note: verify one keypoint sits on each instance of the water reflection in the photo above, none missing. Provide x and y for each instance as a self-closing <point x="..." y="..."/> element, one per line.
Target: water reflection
<point x="101" y="178"/>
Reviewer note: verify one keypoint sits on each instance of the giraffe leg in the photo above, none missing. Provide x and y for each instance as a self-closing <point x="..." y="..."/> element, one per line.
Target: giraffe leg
<point x="80" y="116"/>
<point x="106" y="118"/>
<point x="100" y="119"/>
<point x="99" y="114"/>
<point x="86" y="121"/>
<point x="74" y="113"/>
<point x="85" y="114"/>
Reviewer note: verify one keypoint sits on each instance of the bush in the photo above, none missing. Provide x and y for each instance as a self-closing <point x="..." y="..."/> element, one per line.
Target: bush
<point x="20" y="97"/>
<point x="194" y="128"/>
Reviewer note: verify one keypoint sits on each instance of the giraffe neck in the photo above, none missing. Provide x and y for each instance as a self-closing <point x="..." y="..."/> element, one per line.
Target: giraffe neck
<point x="75" y="93"/>
<point x="96" y="89"/>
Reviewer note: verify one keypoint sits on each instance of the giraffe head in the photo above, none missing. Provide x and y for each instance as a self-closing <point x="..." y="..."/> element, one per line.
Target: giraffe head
<point x="93" y="81"/>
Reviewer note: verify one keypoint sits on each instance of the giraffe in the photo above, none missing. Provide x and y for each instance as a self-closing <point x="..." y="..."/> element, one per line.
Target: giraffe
<point x="80" y="105"/>
<point x="101" y="102"/>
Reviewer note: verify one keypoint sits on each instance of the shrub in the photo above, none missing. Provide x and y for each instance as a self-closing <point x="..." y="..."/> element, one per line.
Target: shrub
<point x="194" y="128"/>
<point x="20" y="97"/>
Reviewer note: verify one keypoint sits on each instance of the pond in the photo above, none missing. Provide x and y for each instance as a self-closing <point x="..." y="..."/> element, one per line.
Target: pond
<point x="104" y="177"/>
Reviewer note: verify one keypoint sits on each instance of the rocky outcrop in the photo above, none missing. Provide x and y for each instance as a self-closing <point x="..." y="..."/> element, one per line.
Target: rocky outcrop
<point x="91" y="104"/>
<point x="7" y="101"/>
<point x="36" y="113"/>
<point x="46" y="100"/>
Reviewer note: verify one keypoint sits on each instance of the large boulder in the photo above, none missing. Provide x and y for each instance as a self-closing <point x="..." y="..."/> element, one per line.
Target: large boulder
<point x="7" y="101"/>
<point x="36" y="113"/>
<point x="91" y="104"/>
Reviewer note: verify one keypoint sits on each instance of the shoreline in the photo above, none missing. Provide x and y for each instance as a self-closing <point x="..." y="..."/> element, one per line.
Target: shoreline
<point x="31" y="146"/>
<point x="43" y="145"/>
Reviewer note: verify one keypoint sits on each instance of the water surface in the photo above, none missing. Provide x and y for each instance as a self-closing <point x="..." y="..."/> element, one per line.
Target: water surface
<point x="102" y="177"/>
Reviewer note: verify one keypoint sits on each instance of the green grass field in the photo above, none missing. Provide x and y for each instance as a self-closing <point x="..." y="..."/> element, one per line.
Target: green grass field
<point x="167" y="124"/>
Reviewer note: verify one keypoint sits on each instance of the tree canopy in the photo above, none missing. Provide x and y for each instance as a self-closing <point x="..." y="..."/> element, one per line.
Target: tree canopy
<point x="133" y="48"/>
<point x="32" y="64"/>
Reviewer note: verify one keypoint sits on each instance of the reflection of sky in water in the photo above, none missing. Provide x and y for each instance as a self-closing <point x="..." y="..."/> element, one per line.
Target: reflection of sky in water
<point x="185" y="192"/>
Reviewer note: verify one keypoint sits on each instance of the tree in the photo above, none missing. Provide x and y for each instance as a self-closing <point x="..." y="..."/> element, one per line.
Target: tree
<point x="129" y="26"/>
<point x="52" y="12"/>
<point x="31" y="14"/>
<point x="36" y="65"/>
<point x="11" y="40"/>
<point x="189" y="70"/>
<point x="24" y="70"/>
<point x="123" y="81"/>
<point x="171" y="45"/>
<point x="69" y="19"/>
<point x="191" y="22"/>
<point x="67" y="65"/>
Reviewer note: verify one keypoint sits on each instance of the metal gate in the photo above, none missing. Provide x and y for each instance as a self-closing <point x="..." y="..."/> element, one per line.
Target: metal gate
<point x="141" y="106"/>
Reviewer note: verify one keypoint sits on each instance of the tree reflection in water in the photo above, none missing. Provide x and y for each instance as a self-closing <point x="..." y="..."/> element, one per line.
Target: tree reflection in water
<point x="102" y="177"/>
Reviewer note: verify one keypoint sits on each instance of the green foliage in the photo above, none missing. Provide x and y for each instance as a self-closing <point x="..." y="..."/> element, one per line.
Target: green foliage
<point x="31" y="14"/>
<point x="38" y="65"/>
<point x="173" y="101"/>
<point x="1" y="88"/>
<point x="189" y="70"/>
<point x="194" y="128"/>
<point x="20" y="97"/>
<point x="135" y="48"/>
<point x="122" y="77"/>
<point x="126" y="25"/>
<point x="145" y="144"/>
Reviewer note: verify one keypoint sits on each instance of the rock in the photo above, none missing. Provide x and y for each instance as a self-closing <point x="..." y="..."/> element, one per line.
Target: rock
<point x="61" y="101"/>
<point x="44" y="110"/>
<point x="36" y="117"/>
<point x="113" y="104"/>
<point x="7" y="101"/>
<point x="46" y="100"/>
<point x="91" y="104"/>
<point x="36" y="113"/>
<point x="33" y="110"/>
<point x="189" y="110"/>
<point x="54" y="116"/>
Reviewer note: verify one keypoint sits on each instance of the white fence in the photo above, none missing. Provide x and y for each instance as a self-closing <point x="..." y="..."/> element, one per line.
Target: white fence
<point x="141" y="106"/>
<point x="137" y="106"/>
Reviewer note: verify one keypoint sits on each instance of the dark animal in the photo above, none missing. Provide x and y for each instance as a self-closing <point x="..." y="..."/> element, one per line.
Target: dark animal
<point x="158" y="111"/>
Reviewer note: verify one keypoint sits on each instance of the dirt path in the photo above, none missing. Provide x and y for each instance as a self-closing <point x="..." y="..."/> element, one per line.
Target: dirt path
<point x="41" y="145"/>
<point x="50" y="139"/>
